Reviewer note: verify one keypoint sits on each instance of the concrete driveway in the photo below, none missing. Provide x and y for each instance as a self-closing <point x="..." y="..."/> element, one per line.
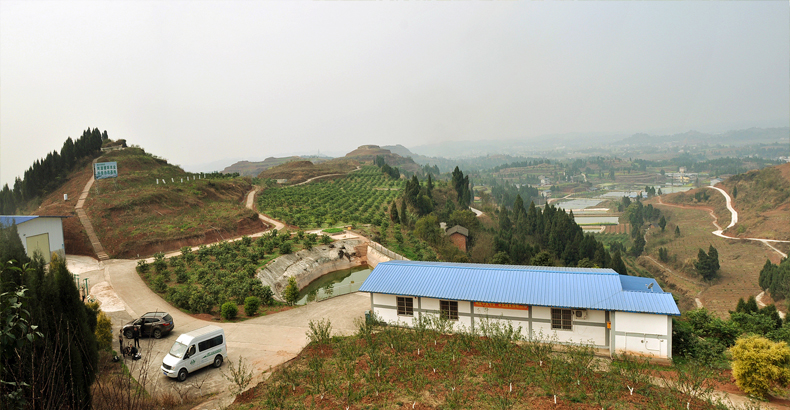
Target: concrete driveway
<point x="264" y="342"/>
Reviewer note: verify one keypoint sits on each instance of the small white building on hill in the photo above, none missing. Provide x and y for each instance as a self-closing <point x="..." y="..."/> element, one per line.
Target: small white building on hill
<point x="570" y="305"/>
<point x="43" y="234"/>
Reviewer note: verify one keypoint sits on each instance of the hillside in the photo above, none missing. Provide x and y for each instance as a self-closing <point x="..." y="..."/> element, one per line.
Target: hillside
<point x="734" y="137"/>
<point x="132" y="214"/>
<point x="299" y="171"/>
<point x="762" y="199"/>
<point x="368" y="153"/>
<point x="253" y="168"/>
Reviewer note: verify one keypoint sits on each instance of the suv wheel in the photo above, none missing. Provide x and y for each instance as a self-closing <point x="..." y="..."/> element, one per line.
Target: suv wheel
<point x="128" y="333"/>
<point x="218" y="361"/>
<point x="182" y="375"/>
<point x="157" y="333"/>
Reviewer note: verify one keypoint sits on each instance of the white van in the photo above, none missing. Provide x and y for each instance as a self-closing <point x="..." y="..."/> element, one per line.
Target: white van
<point x="195" y="350"/>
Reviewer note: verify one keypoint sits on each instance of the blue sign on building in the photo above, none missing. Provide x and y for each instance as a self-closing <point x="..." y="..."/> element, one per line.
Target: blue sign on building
<point x="102" y="170"/>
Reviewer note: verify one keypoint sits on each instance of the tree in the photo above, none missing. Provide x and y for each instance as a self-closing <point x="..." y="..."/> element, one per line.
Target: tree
<point x="229" y="310"/>
<point x="291" y="292"/>
<point x="759" y="364"/>
<point x="543" y="258"/>
<point x="662" y="223"/>
<point x="251" y="305"/>
<point x="707" y="265"/>
<point x="618" y="265"/>
<point x="501" y="258"/>
<point x="677" y="231"/>
<point x="735" y="192"/>
<point x="394" y="213"/>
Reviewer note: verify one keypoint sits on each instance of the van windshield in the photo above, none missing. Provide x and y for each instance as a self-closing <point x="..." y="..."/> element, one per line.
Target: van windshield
<point x="178" y="350"/>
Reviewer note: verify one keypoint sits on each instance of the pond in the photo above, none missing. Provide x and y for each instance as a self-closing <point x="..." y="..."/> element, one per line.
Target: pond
<point x="334" y="284"/>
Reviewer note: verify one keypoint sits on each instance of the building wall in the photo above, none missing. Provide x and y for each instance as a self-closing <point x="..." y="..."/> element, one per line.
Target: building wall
<point x="635" y="333"/>
<point x="643" y="334"/>
<point x="458" y="240"/>
<point x="38" y="226"/>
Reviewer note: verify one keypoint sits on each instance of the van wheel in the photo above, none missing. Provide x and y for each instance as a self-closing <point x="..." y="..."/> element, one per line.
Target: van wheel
<point x="218" y="361"/>
<point x="157" y="333"/>
<point x="182" y="375"/>
<point x="128" y="333"/>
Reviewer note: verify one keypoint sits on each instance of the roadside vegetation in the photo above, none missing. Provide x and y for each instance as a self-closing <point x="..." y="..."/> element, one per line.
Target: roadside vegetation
<point x="220" y="279"/>
<point x="435" y="365"/>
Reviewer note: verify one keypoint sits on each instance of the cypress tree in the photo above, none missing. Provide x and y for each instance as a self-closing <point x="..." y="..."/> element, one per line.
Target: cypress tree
<point x="618" y="265"/>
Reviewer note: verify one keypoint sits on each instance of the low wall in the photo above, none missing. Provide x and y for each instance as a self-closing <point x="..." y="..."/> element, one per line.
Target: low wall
<point x="308" y="265"/>
<point x="375" y="257"/>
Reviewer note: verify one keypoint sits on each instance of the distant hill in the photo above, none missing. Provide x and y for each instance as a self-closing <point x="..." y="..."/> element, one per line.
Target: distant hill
<point x="132" y="214"/>
<point x="299" y="171"/>
<point x="254" y="168"/>
<point x="368" y="153"/>
<point x="735" y="137"/>
<point x="762" y="199"/>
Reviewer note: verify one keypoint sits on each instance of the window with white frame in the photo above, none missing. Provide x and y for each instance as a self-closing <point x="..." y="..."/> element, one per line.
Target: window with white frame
<point x="448" y="309"/>
<point x="562" y="319"/>
<point x="405" y="306"/>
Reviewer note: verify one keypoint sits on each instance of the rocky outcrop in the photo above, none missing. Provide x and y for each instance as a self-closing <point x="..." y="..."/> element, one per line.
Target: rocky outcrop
<point x="308" y="265"/>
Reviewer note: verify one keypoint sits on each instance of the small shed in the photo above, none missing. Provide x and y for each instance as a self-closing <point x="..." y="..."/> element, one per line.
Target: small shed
<point x="43" y="234"/>
<point x="458" y="236"/>
<point x="563" y="305"/>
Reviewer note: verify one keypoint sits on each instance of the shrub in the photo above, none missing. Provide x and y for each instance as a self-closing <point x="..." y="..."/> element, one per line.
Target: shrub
<point x="251" y="305"/>
<point x="291" y="292"/>
<point x="285" y="248"/>
<point x="103" y="331"/>
<point x="159" y="284"/>
<point x="320" y="332"/>
<point x="229" y="310"/>
<point x="760" y="364"/>
<point x="181" y="274"/>
<point x="266" y="295"/>
<point x="142" y="266"/>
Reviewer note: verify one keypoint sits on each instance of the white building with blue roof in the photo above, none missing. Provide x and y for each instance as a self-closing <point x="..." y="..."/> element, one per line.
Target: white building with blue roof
<point x="570" y="305"/>
<point x="42" y="234"/>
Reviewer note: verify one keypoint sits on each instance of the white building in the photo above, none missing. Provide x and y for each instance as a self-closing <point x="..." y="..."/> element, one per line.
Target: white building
<point x="570" y="305"/>
<point x="43" y="234"/>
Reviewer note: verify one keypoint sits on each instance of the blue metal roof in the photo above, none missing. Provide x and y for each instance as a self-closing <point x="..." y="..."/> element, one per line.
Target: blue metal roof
<point x="581" y="288"/>
<point x="8" y="220"/>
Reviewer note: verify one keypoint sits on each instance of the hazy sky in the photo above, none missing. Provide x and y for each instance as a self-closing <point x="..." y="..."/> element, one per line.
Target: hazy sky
<point x="201" y="81"/>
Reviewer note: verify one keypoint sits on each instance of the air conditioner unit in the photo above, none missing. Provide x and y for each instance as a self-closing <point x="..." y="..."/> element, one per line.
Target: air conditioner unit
<point x="580" y="314"/>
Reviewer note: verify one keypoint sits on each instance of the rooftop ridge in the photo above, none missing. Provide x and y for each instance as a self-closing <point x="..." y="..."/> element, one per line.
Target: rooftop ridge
<point x="484" y="266"/>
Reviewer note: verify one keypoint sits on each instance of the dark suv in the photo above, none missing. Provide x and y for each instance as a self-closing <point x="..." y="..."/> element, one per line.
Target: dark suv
<point x="156" y="324"/>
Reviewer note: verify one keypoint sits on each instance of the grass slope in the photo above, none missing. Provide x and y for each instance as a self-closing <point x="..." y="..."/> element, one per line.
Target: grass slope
<point x="132" y="214"/>
<point x="740" y="261"/>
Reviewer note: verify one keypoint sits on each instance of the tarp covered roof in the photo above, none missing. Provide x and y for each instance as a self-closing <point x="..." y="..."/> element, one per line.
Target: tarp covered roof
<point x="576" y="288"/>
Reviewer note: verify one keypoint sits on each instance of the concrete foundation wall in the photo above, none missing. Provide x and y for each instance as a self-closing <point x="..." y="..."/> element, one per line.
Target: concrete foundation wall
<point x="308" y="265"/>
<point x="375" y="257"/>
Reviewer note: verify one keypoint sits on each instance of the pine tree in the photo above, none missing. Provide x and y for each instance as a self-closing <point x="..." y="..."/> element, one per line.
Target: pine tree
<point x="735" y="192"/>
<point x="662" y="223"/>
<point x="677" y="231"/>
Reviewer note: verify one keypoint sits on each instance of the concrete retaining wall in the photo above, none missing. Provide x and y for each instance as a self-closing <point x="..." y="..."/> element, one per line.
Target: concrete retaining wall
<point x="375" y="257"/>
<point x="307" y="266"/>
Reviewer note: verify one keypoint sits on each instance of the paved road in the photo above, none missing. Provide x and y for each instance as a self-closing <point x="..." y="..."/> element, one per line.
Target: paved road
<point x="264" y="342"/>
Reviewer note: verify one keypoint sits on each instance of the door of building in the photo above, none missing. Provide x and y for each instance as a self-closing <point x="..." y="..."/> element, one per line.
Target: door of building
<point x="38" y="243"/>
